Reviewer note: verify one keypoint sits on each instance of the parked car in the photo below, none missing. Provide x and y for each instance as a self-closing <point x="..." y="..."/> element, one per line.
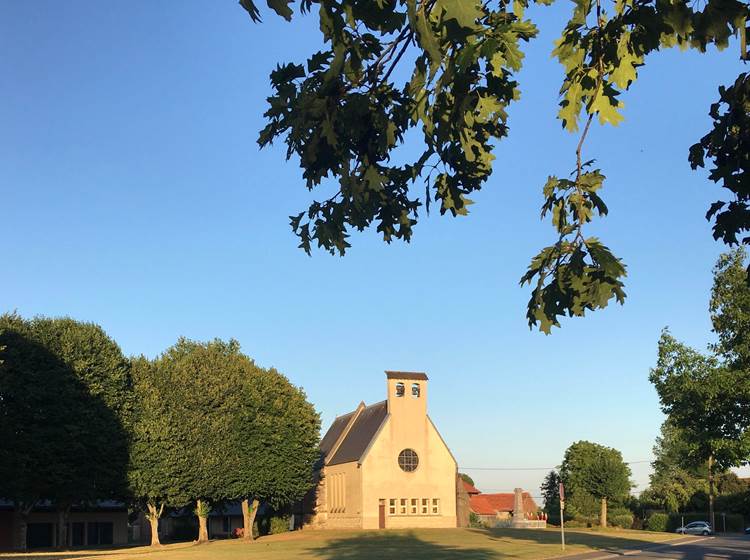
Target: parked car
<point x="747" y="530"/>
<point x="696" y="528"/>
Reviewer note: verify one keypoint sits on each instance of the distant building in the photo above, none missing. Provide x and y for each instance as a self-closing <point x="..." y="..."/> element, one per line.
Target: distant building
<point x="104" y="523"/>
<point x="495" y="509"/>
<point x="385" y="465"/>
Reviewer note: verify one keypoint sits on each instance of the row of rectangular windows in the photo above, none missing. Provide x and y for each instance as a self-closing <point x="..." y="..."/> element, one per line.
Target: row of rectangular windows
<point x="414" y="506"/>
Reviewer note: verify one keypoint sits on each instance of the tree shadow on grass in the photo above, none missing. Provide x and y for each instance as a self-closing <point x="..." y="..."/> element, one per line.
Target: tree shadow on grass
<point x="402" y="546"/>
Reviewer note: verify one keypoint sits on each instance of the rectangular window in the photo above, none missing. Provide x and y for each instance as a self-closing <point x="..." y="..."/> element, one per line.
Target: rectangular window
<point x="414" y="509"/>
<point x="78" y="530"/>
<point x="100" y="533"/>
<point x="392" y="506"/>
<point x="425" y="506"/>
<point x="435" y="506"/>
<point x="402" y="506"/>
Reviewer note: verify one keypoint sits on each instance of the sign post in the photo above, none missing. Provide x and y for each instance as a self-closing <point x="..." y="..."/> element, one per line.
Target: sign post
<point x="562" y="517"/>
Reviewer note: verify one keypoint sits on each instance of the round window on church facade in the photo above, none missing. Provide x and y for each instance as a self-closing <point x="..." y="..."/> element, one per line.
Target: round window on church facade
<point x="408" y="460"/>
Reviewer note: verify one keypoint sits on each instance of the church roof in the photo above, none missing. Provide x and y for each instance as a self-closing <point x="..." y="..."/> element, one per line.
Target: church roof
<point x="407" y="375"/>
<point x="334" y="432"/>
<point x="358" y="436"/>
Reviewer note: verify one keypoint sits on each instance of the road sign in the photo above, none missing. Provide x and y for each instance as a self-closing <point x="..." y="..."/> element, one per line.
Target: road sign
<point x="562" y="492"/>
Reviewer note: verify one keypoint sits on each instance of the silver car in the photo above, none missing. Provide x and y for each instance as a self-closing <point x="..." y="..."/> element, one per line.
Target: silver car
<point x="696" y="528"/>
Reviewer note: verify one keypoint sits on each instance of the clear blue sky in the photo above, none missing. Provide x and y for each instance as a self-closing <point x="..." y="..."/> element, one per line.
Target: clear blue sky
<point x="133" y="194"/>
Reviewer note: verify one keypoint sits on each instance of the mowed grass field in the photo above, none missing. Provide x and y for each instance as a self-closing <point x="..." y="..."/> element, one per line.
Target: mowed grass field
<point x="416" y="544"/>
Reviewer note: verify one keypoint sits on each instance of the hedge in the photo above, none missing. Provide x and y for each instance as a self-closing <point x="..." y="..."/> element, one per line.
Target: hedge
<point x="657" y="522"/>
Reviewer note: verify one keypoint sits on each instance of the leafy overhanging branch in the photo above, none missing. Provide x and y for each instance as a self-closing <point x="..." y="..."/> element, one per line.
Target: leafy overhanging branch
<point x="728" y="146"/>
<point x="344" y="113"/>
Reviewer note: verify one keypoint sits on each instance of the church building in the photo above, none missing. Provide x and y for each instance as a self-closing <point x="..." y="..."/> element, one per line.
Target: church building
<point x="385" y="465"/>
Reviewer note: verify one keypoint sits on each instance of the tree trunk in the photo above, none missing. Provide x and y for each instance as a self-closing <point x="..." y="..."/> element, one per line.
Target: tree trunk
<point x="202" y="522"/>
<point x="249" y="510"/>
<point x="63" y="514"/>
<point x="711" y="491"/>
<point x="603" y="513"/>
<point x="153" y="516"/>
<point x="21" y="513"/>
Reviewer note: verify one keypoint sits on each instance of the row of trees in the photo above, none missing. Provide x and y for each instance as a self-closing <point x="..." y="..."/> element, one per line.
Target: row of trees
<point x="679" y="485"/>
<point x="706" y="396"/>
<point x="201" y="424"/>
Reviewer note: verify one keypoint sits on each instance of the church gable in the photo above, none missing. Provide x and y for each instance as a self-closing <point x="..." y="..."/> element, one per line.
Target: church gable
<point x="385" y="465"/>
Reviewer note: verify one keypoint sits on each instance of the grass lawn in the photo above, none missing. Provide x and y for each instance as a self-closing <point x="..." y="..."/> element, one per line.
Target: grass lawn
<point x="416" y="544"/>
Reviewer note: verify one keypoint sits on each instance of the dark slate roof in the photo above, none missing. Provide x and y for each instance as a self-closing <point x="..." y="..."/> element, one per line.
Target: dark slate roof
<point x="360" y="434"/>
<point x="333" y="433"/>
<point x="415" y="375"/>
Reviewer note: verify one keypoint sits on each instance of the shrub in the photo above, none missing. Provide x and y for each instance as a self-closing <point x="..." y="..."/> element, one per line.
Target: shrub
<point x="474" y="520"/>
<point x="622" y="520"/>
<point x="279" y="524"/>
<point x="657" y="522"/>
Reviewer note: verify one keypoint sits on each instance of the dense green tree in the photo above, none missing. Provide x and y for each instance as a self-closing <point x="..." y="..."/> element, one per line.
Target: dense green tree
<point x="65" y="403"/>
<point x="592" y="471"/>
<point x="551" y="493"/>
<point x="675" y="478"/>
<point x="273" y="442"/>
<point x="708" y="403"/>
<point x="199" y="392"/>
<point x="213" y="427"/>
<point x="158" y="471"/>
<point x="730" y="310"/>
<point x="443" y="73"/>
<point x="680" y="485"/>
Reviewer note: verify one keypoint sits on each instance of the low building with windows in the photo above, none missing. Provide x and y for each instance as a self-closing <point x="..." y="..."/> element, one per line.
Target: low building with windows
<point x="385" y="465"/>
<point x="102" y="523"/>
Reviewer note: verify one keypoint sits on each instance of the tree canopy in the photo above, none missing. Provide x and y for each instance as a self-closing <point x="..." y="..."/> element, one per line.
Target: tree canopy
<point x="730" y="309"/>
<point x="707" y="397"/>
<point x="447" y="70"/>
<point x="65" y="403"/>
<point x="707" y="402"/>
<point x="594" y="474"/>
<point x="676" y="478"/>
<point x="212" y="427"/>
<point x="551" y="493"/>
<point x="677" y="484"/>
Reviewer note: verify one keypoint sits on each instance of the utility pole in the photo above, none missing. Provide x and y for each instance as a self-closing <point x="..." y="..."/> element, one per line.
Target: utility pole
<point x="562" y="517"/>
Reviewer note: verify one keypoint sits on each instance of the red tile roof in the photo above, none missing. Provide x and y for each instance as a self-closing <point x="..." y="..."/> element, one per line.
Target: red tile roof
<point x="481" y="505"/>
<point x="490" y="504"/>
<point x="470" y="488"/>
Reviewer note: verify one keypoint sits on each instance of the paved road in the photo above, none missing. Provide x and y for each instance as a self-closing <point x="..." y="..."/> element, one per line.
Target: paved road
<point x="716" y="548"/>
<point x="712" y="548"/>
